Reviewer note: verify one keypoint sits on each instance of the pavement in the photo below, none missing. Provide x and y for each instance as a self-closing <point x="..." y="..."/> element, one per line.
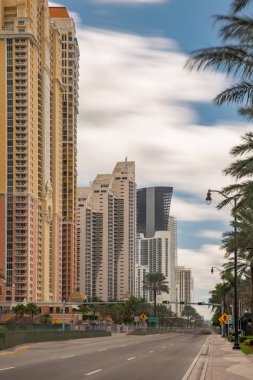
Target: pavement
<point x="217" y="360"/>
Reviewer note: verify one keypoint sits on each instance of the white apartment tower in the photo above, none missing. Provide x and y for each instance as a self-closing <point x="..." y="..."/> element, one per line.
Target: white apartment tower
<point x="156" y="244"/>
<point x="106" y="234"/>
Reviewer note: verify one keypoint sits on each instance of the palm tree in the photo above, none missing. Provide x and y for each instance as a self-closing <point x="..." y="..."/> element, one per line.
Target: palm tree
<point x="235" y="57"/>
<point x="20" y="310"/>
<point x="238" y="5"/>
<point x="32" y="309"/>
<point x="156" y="283"/>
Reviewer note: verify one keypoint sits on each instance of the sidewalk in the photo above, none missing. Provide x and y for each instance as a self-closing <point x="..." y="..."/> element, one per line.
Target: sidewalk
<point x="218" y="361"/>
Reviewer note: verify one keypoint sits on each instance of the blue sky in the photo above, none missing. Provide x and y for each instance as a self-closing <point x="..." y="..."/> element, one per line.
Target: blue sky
<point x="137" y="100"/>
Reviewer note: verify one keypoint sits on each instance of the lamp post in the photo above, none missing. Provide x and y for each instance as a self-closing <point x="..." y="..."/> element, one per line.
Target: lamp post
<point x="223" y="328"/>
<point x="234" y="199"/>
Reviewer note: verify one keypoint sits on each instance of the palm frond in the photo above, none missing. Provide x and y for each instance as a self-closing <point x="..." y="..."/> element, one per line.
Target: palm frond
<point x="238" y="93"/>
<point x="239" y="5"/>
<point x="245" y="147"/>
<point x="240" y="168"/>
<point x="236" y="28"/>
<point x="246" y="113"/>
<point x="237" y="59"/>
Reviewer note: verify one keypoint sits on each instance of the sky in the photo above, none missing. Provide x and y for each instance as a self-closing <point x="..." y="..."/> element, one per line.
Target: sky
<point x="138" y="101"/>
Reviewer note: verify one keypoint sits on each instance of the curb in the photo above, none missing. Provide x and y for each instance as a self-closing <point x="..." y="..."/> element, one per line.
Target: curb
<point x="14" y="352"/>
<point x="203" y="352"/>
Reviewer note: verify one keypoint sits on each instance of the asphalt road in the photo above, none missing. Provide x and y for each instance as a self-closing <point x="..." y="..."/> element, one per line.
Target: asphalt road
<point x="120" y="357"/>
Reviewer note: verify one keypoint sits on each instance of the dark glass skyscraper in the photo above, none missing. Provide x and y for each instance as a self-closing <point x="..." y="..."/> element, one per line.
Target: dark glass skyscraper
<point x="153" y="209"/>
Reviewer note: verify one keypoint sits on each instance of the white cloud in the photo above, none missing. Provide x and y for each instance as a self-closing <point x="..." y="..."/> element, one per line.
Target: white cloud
<point x="133" y="102"/>
<point x="210" y="234"/>
<point x="201" y="261"/>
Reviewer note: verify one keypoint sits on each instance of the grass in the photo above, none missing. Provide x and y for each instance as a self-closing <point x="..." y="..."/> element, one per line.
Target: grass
<point x="246" y="349"/>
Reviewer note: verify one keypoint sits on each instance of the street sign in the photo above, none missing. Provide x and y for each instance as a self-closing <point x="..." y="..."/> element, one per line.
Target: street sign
<point x="136" y="318"/>
<point x="143" y="317"/>
<point x="153" y="319"/>
<point x="224" y="318"/>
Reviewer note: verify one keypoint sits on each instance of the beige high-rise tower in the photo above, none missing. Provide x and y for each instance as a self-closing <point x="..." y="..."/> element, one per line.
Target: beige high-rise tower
<point x="32" y="156"/>
<point x="106" y="234"/>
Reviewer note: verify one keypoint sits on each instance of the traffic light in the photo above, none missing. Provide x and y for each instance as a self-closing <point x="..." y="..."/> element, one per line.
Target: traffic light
<point x="201" y="303"/>
<point x="166" y="301"/>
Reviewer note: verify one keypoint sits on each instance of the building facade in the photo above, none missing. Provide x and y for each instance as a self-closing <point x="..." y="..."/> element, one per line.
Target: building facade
<point x="153" y="209"/>
<point x="106" y="234"/>
<point x="32" y="164"/>
<point x="185" y="288"/>
<point x="156" y="244"/>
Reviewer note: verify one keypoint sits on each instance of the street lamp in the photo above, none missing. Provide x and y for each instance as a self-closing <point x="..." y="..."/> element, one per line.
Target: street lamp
<point x="223" y="328"/>
<point x="234" y="199"/>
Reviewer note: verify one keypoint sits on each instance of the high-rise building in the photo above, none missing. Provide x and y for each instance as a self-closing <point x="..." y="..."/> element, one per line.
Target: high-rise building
<point x="184" y="282"/>
<point x="153" y="209"/>
<point x="33" y="160"/>
<point x="156" y="244"/>
<point x="65" y="26"/>
<point x="106" y="234"/>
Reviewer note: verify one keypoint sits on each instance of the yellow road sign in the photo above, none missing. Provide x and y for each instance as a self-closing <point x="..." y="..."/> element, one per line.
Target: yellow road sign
<point x="143" y="317"/>
<point x="224" y="318"/>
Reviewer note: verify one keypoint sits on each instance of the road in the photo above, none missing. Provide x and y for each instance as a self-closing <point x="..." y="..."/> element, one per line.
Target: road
<point x="119" y="357"/>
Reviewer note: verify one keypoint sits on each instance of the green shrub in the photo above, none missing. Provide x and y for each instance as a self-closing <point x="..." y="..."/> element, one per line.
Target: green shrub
<point x="230" y="338"/>
<point x="245" y="337"/>
<point x="248" y="342"/>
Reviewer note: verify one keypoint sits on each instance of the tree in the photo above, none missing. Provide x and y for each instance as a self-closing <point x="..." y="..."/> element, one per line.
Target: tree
<point x="20" y="310"/>
<point x="191" y="314"/>
<point x="46" y="318"/>
<point x="241" y="169"/>
<point x="156" y="283"/>
<point x="238" y="5"/>
<point x="32" y="309"/>
<point x="235" y="57"/>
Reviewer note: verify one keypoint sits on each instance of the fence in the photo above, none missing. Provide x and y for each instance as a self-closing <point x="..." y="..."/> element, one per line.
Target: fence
<point x="10" y="339"/>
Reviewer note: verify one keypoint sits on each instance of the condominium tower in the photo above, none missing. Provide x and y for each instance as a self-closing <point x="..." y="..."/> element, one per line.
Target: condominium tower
<point x="184" y="282"/>
<point x="38" y="107"/>
<point x="156" y="244"/>
<point x="106" y="234"/>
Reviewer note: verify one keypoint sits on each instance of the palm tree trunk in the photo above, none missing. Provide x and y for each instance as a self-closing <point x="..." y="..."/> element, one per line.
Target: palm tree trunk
<point x="154" y="302"/>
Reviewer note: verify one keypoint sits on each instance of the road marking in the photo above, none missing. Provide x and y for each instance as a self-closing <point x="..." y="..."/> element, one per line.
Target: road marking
<point x="163" y="347"/>
<point x="102" y="349"/>
<point x="4" y="369"/>
<point x="68" y="356"/>
<point x="123" y="345"/>
<point x="150" y="352"/>
<point x="133" y="357"/>
<point x="92" y="373"/>
<point x="16" y="352"/>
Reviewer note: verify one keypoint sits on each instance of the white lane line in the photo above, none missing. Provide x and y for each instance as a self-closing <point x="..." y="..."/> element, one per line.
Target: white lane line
<point x="133" y="357"/>
<point x="5" y="369"/>
<point x="67" y="356"/>
<point x="102" y="349"/>
<point x="150" y="352"/>
<point x="92" y="373"/>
